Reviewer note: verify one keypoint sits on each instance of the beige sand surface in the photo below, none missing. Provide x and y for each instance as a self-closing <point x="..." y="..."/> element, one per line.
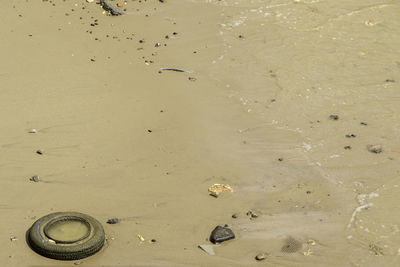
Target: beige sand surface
<point x="120" y="139"/>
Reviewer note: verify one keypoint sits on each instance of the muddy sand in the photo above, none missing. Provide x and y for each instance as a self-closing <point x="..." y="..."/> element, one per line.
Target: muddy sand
<point x="279" y="99"/>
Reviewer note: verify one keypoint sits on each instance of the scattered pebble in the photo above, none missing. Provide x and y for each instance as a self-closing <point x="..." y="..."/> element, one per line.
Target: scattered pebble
<point x="13" y="238"/>
<point x="347" y="147"/>
<point x="235" y="216"/>
<point x="35" y="178"/>
<point x="374" y="148"/>
<point x="113" y="221"/>
<point x="261" y="256"/>
<point x="39" y="151"/>
<point x="32" y="131"/>
<point x="252" y="214"/>
<point x="350" y="136"/>
<point x="363" y="123"/>
<point x="334" y="117"/>
<point x="221" y="234"/>
<point x="192" y="79"/>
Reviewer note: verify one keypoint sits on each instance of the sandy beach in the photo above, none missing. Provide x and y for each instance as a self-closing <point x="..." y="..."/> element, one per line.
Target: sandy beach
<point x="292" y="103"/>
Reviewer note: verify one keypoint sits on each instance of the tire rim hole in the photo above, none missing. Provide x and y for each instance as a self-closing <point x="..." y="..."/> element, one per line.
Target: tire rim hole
<point x="67" y="230"/>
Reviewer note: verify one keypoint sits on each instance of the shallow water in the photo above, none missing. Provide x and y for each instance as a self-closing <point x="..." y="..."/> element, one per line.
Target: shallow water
<point x="67" y="231"/>
<point x="122" y="140"/>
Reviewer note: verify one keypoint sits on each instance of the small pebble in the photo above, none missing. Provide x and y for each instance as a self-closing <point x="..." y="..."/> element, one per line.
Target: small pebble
<point x="113" y="221"/>
<point x="261" y="256"/>
<point x="32" y="131"/>
<point x="35" y="178"/>
<point x="334" y="117"/>
<point x="374" y="148"/>
<point x="252" y="214"/>
<point x="39" y="151"/>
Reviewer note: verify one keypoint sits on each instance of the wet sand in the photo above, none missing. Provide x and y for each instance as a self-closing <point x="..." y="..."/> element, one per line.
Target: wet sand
<point x="120" y="139"/>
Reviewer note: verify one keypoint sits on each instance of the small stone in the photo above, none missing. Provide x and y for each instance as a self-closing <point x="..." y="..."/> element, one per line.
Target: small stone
<point x="39" y="151"/>
<point x="113" y="221"/>
<point x="192" y="79"/>
<point x="221" y="234"/>
<point x="252" y="214"/>
<point x="35" y="178"/>
<point x="374" y="148"/>
<point x="334" y="117"/>
<point x="261" y="256"/>
<point x="32" y="131"/>
<point x="235" y="216"/>
<point x="13" y="238"/>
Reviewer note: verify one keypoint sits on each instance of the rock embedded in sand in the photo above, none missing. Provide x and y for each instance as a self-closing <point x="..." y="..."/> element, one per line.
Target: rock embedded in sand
<point x="113" y="221"/>
<point x="111" y="8"/>
<point x="334" y="117"/>
<point x="261" y="256"/>
<point x="35" y="178"/>
<point x="221" y="234"/>
<point x="374" y="148"/>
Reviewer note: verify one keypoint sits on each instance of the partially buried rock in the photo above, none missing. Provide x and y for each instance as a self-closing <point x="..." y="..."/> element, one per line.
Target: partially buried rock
<point x="113" y="221"/>
<point x="111" y="8"/>
<point x="221" y="234"/>
<point x="333" y="117"/>
<point x="35" y="178"/>
<point x="374" y="148"/>
<point x="261" y="256"/>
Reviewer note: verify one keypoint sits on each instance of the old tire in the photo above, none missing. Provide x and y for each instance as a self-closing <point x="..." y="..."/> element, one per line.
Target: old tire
<point x="81" y="248"/>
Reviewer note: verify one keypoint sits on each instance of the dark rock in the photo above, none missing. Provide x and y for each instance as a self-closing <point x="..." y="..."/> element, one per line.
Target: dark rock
<point x="334" y="117"/>
<point x="35" y="178"/>
<point x="111" y="8"/>
<point x="221" y="234"/>
<point x="374" y="148"/>
<point x="235" y="216"/>
<point x="113" y="221"/>
<point x="252" y="214"/>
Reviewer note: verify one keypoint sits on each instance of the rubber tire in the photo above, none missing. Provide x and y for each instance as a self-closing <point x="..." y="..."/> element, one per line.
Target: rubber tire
<point x="86" y="247"/>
